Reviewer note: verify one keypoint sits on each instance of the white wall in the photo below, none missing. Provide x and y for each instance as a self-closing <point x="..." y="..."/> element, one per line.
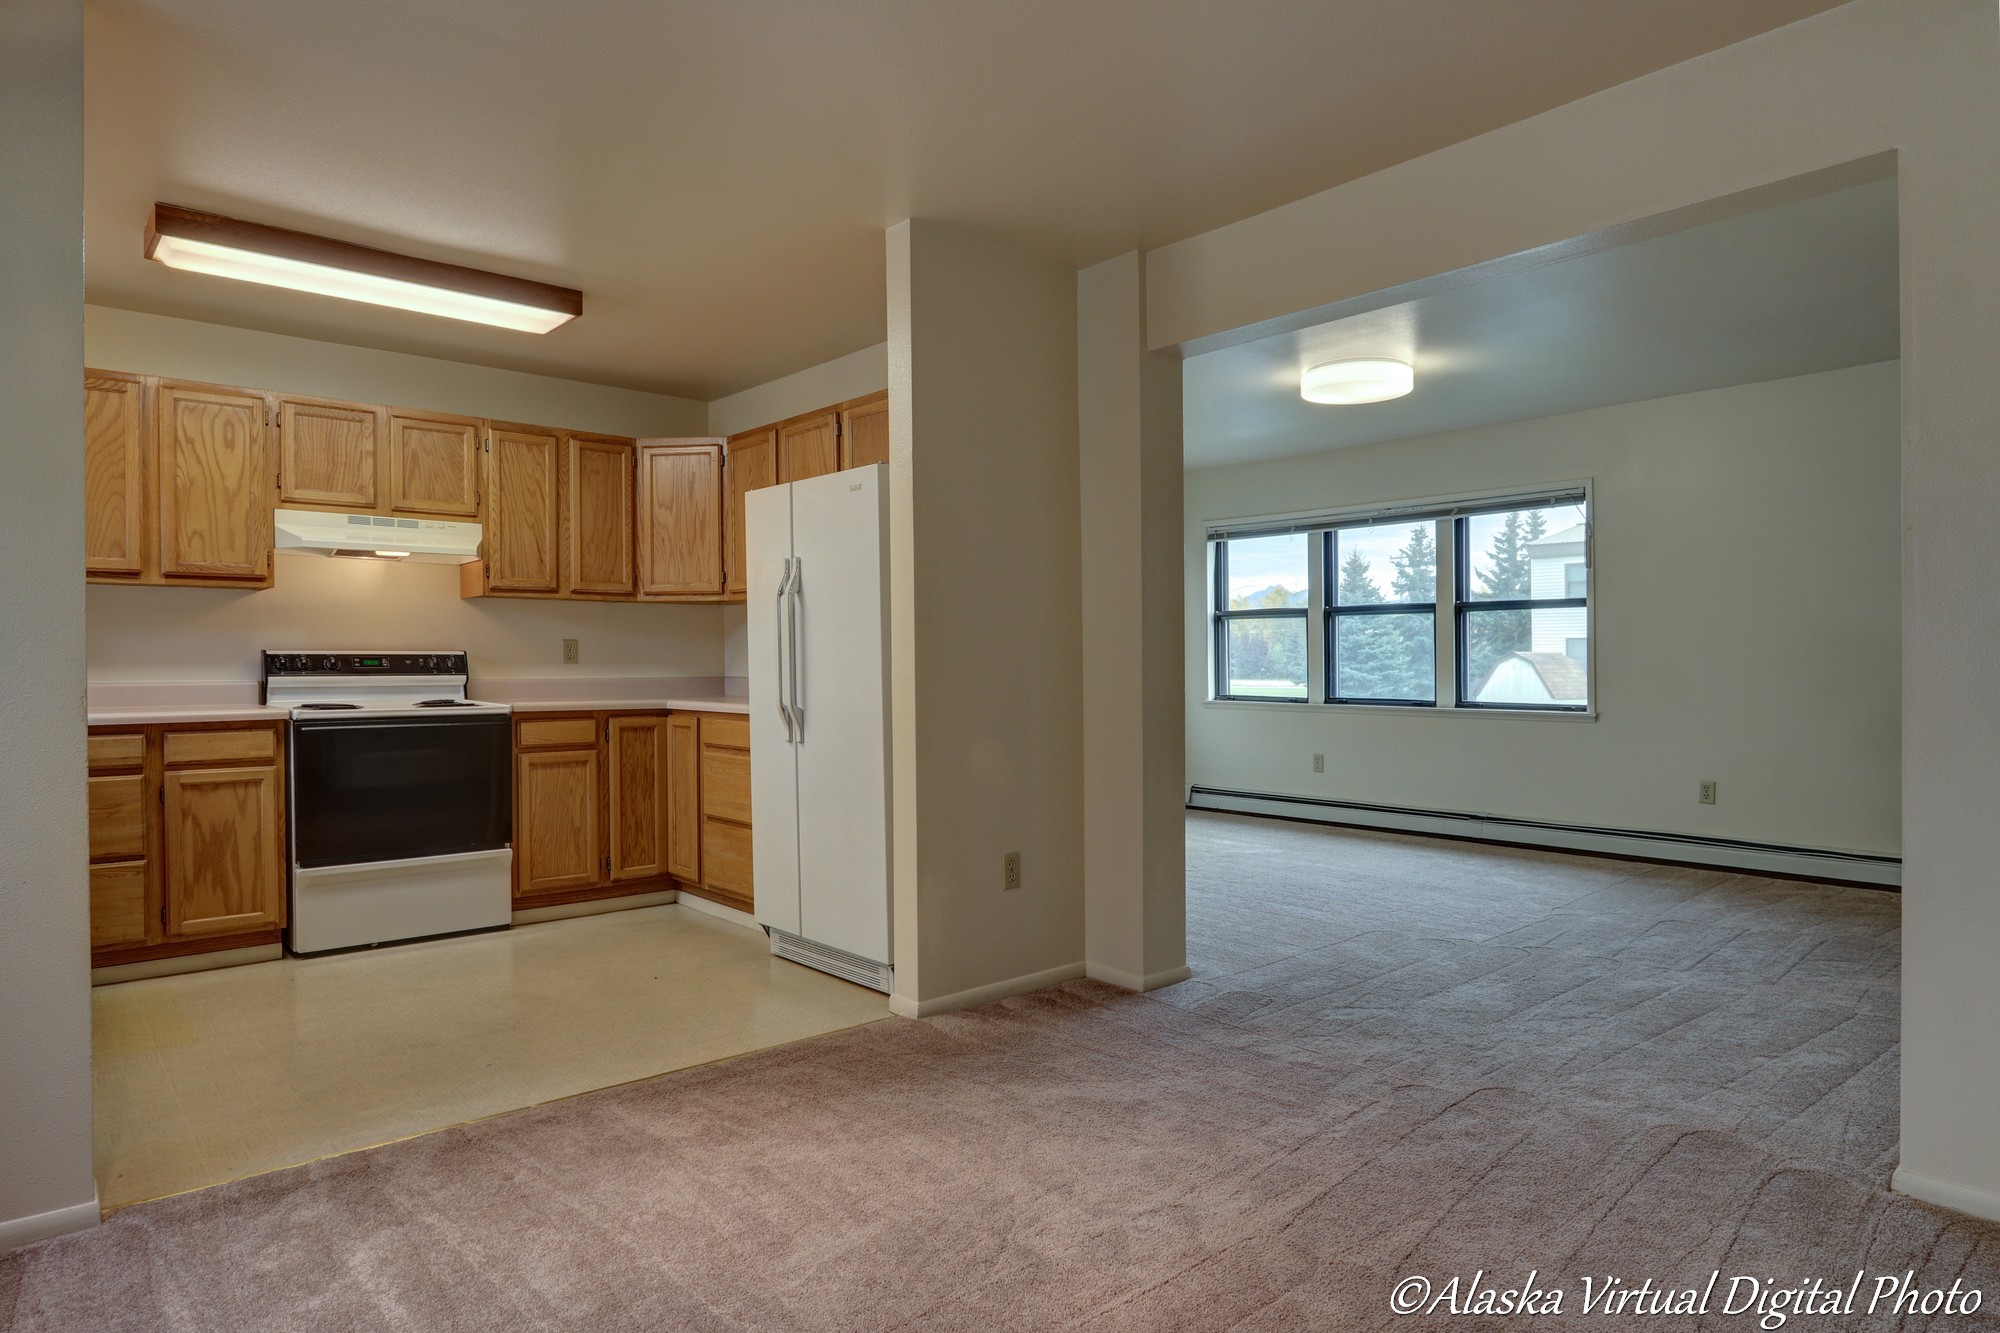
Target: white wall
<point x="852" y="376"/>
<point x="45" y="1169"/>
<point x="1748" y="621"/>
<point x="1920" y="78"/>
<point x="188" y="349"/>
<point x="216" y="633"/>
<point x="985" y="614"/>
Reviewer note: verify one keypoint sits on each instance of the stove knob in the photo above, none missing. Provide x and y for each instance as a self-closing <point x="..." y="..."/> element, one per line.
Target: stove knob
<point x="326" y="664"/>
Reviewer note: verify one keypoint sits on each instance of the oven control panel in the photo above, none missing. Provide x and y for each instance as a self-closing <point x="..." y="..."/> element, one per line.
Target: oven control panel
<point x="363" y="664"/>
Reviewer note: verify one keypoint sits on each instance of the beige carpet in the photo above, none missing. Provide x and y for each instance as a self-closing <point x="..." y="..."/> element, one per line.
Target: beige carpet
<point x="1397" y="1057"/>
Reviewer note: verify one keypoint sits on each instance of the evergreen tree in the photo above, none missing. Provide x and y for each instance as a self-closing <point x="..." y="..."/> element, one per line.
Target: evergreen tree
<point x="1493" y="635"/>
<point x="1416" y="567"/>
<point x="1416" y="646"/>
<point x="1368" y="656"/>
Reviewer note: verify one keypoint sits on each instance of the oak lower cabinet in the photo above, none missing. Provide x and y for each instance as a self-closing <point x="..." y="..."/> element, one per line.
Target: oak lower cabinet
<point x="709" y="807"/>
<point x="187" y="837"/>
<point x="591" y="798"/>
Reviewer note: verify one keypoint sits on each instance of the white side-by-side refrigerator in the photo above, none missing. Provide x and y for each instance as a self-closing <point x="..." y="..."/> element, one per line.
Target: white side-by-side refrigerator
<point x="817" y="604"/>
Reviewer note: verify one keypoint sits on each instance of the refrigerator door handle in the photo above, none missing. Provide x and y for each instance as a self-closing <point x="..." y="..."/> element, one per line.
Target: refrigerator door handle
<point x="798" y="611"/>
<point x="784" y="707"/>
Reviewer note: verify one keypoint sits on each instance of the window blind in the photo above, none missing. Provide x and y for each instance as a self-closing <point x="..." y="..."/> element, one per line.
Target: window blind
<point x="1237" y="529"/>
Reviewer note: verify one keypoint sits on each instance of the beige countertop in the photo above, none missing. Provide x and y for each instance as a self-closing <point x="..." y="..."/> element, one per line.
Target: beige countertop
<point x="710" y="703"/>
<point x="168" y="715"/>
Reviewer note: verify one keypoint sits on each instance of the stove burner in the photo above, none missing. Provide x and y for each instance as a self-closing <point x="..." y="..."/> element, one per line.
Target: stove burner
<point x="328" y="707"/>
<point x="444" y="703"/>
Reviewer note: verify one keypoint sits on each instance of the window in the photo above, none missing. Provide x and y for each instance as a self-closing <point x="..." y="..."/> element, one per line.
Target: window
<point x="1469" y="604"/>
<point x="1522" y="597"/>
<point x="1262" y="593"/>
<point x="1381" y="621"/>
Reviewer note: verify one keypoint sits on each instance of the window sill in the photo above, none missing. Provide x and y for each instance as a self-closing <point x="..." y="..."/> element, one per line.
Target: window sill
<point x="1400" y="710"/>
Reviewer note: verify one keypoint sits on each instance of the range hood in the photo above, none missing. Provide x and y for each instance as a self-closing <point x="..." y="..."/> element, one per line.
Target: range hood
<point x="376" y="537"/>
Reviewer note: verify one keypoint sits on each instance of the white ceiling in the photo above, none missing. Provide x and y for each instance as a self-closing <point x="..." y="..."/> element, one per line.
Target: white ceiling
<point x="1793" y="289"/>
<point x="715" y="175"/>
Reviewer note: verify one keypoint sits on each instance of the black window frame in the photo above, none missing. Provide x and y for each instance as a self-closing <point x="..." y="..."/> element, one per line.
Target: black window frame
<point x="1224" y="614"/>
<point x="1333" y="612"/>
<point x="1462" y="603"/>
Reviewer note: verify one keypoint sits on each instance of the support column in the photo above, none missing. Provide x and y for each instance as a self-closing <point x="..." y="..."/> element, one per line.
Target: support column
<point x="1134" y="719"/>
<point x="46" y="1185"/>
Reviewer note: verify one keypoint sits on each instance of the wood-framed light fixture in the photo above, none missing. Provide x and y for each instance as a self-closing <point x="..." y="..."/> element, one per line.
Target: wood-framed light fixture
<point x="251" y="252"/>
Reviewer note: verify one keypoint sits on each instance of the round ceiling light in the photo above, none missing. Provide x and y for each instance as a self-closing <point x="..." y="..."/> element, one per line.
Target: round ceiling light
<point x="1367" y="380"/>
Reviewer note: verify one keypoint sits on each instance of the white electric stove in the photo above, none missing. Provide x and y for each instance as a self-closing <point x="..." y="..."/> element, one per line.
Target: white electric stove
<point x="401" y="798"/>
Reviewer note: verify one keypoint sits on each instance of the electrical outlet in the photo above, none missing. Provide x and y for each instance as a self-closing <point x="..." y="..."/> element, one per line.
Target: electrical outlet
<point x="1012" y="871"/>
<point x="570" y="657"/>
<point x="1319" y="763"/>
<point x="1708" y="791"/>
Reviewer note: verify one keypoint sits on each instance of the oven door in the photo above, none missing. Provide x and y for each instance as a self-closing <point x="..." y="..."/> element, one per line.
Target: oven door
<point x="392" y="789"/>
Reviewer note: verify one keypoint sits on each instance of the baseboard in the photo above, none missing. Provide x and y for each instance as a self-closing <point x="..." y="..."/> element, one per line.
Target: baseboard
<point x="1815" y="863"/>
<point x="709" y="907"/>
<point x="1132" y="981"/>
<point x="186" y="962"/>
<point x="1958" y="1198"/>
<point x="19" y="1231"/>
<point x="528" y="916"/>
<point x="906" y="1007"/>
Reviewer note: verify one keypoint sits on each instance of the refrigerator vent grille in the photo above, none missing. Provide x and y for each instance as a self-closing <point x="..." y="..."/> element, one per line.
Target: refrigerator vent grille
<point x="852" y="967"/>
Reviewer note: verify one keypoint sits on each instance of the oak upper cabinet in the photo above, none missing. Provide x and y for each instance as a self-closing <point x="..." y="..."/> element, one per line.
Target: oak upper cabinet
<point x="680" y="518"/>
<point x="684" y="797"/>
<point x="809" y="447"/>
<point x="636" y="808"/>
<point x="215" y="483"/>
<point x="598" y="488"/>
<point x="523" y="536"/>
<point x="329" y="453"/>
<point x="434" y="465"/>
<point x="752" y="465"/>
<point x="864" y="431"/>
<point x="224" y="859"/>
<point x="558" y="817"/>
<point x="114" y="474"/>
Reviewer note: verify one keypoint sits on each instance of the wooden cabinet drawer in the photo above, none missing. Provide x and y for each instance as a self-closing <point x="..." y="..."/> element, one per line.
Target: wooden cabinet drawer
<point x="118" y="904"/>
<point x="117" y="751"/>
<point x="117" y="817"/>
<point x="725" y="858"/>
<point x="731" y="729"/>
<point x="725" y="783"/>
<point x="557" y="731"/>
<point x="221" y="747"/>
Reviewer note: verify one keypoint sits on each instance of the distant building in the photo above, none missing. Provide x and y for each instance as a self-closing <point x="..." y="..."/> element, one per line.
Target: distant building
<point x="1536" y="678"/>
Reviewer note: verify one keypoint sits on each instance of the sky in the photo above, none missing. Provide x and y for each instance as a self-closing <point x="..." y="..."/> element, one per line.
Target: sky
<point x="1255" y="563"/>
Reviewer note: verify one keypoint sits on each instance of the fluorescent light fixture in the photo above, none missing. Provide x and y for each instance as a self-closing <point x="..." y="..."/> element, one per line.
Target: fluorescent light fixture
<point x="251" y="252"/>
<point x="392" y="555"/>
<point x="1364" y="380"/>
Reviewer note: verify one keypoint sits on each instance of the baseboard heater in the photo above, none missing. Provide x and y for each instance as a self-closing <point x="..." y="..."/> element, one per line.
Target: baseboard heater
<point x="1729" y="853"/>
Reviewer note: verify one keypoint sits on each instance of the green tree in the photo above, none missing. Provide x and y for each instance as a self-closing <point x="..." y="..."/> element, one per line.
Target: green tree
<point x="1369" y="658"/>
<point x="1493" y="635"/>
<point x="1416" y="567"/>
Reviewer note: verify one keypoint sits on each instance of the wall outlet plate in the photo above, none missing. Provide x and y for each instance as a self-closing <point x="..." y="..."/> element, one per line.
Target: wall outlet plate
<point x="570" y="656"/>
<point x="1708" y="791"/>
<point x="1319" y="763"/>
<point x="1011" y="871"/>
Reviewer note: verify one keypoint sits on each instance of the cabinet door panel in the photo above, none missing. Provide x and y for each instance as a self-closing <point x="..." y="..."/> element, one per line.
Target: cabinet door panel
<point x="556" y="821"/>
<point x="680" y="520"/>
<point x="864" y="433"/>
<point x="222" y="856"/>
<point x="215" y="483"/>
<point x="434" y="466"/>
<point x="638" y="815"/>
<point x="684" y="798"/>
<point x="598" y="552"/>
<point x="118" y="904"/>
<point x="809" y="448"/>
<point x="523" y="519"/>
<point x="114" y="473"/>
<point x="725" y="783"/>
<point x="725" y="860"/>
<point x="117" y="817"/>
<point x="327" y="453"/>
<point x="753" y="465"/>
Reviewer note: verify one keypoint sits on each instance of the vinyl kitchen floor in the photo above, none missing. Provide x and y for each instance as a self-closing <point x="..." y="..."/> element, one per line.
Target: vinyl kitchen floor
<point x="209" y="1076"/>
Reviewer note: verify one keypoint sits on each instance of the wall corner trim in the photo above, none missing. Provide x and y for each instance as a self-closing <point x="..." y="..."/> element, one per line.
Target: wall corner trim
<point x="19" y="1231"/>
<point x="1132" y="981"/>
<point x="905" y="1007"/>
<point x="1959" y="1198"/>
